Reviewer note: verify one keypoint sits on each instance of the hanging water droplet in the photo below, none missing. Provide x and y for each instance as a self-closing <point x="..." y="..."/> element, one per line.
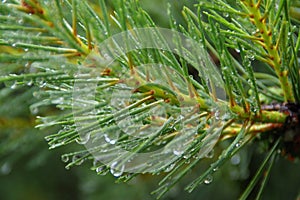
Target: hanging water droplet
<point x="29" y="83"/>
<point x="186" y="156"/>
<point x="225" y="14"/>
<point x="34" y="110"/>
<point x="109" y="140"/>
<point x="83" y="138"/>
<point x="208" y="179"/>
<point x="42" y="84"/>
<point x="14" y="86"/>
<point x="95" y="163"/>
<point x="116" y="172"/>
<point x="47" y="138"/>
<point x="77" y="160"/>
<point x="65" y="158"/>
<point x="170" y="167"/>
<point x="102" y="170"/>
<point x="210" y="154"/>
<point x="217" y="114"/>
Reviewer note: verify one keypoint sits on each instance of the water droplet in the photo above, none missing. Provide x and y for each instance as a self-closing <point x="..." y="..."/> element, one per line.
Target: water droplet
<point x="186" y="156"/>
<point x="36" y="95"/>
<point x="65" y="158"/>
<point x="116" y="172"/>
<point x="177" y="152"/>
<point x="77" y="160"/>
<point x="225" y="14"/>
<point x="217" y="115"/>
<point x="210" y="154"/>
<point x="47" y="138"/>
<point x="14" y="86"/>
<point x="58" y="101"/>
<point x="208" y="179"/>
<point x="215" y="169"/>
<point x="170" y="167"/>
<point x="279" y="151"/>
<point x="236" y="159"/>
<point x="42" y="84"/>
<point x="5" y="168"/>
<point x="83" y="139"/>
<point x="109" y="140"/>
<point x="102" y="170"/>
<point x="29" y="83"/>
<point x="238" y="144"/>
<point x="34" y="110"/>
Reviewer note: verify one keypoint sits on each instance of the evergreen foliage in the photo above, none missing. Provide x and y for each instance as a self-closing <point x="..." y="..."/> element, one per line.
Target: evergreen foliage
<point x="49" y="49"/>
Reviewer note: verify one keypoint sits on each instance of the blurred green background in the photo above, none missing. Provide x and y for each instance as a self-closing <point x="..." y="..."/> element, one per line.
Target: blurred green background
<point x="29" y="171"/>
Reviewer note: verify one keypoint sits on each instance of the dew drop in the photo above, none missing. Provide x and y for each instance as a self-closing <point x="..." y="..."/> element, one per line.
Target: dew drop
<point x="279" y="151"/>
<point x="102" y="170"/>
<point x="210" y="154"/>
<point x="116" y="172"/>
<point x="215" y="169"/>
<point x="238" y="144"/>
<point x="225" y="14"/>
<point x="109" y="140"/>
<point x="177" y="152"/>
<point x="208" y="179"/>
<point x="48" y="139"/>
<point x="14" y="86"/>
<point x="77" y="160"/>
<point x="83" y="138"/>
<point x="217" y="114"/>
<point x="29" y="83"/>
<point x="34" y="110"/>
<point x="65" y="158"/>
<point x="170" y="167"/>
<point x="58" y="101"/>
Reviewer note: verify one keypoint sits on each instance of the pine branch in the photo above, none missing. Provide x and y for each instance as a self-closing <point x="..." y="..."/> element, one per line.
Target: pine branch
<point x="124" y="89"/>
